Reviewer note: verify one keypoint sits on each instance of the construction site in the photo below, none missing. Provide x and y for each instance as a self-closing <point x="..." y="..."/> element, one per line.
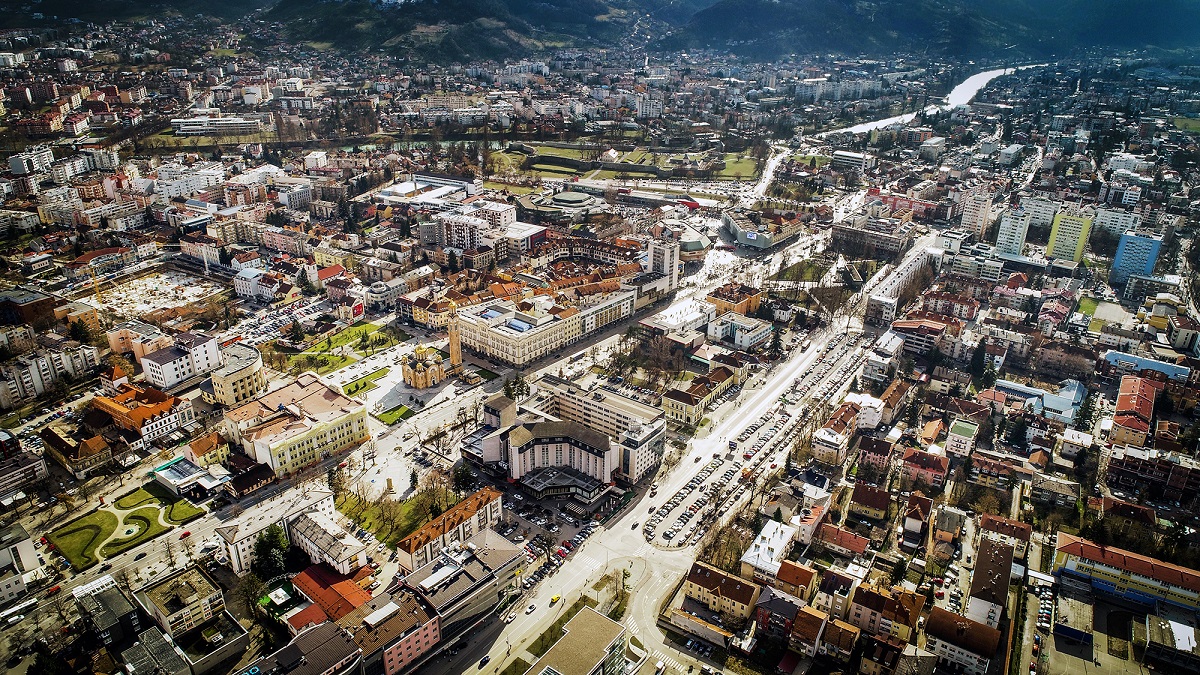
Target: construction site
<point x="158" y="292"/>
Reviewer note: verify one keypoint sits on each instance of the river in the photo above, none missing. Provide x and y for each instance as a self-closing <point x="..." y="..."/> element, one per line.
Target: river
<point x="960" y="95"/>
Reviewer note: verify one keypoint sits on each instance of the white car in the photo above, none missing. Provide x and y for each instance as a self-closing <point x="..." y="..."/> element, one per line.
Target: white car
<point x="531" y="609"/>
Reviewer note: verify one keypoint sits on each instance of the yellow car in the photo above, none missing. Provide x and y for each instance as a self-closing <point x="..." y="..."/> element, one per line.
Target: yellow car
<point x="555" y="599"/>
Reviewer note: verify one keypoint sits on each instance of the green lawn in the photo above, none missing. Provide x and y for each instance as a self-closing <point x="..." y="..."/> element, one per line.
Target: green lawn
<point x="559" y="152"/>
<point x="514" y="189"/>
<point x="410" y="516"/>
<point x="364" y="383"/>
<point x="78" y="539"/>
<point x="486" y="374"/>
<point x="400" y="412"/>
<point x="349" y="336"/>
<point x="146" y="521"/>
<point x="805" y="270"/>
<point x="743" y="168"/>
<point x="177" y="509"/>
<point x="822" y="160"/>
<point x="1088" y="305"/>
<point x="1187" y="123"/>
<point x="1096" y="325"/>
<point x="320" y="363"/>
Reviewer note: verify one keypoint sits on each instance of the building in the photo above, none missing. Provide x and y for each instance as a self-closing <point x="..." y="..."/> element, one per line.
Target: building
<point x="325" y="541"/>
<point x="976" y="206"/>
<point x="1173" y="475"/>
<point x="238" y="379"/>
<point x="989" y="582"/>
<point x="137" y="338"/>
<point x="736" y="298"/>
<point x="960" y="643"/>
<point x="465" y="583"/>
<point x="1006" y="531"/>
<point x="107" y="612"/>
<point x="298" y="424"/>
<point x="216" y="126"/>
<point x="518" y="333"/>
<point x="324" y="649"/>
<point x="80" y="458"/>
<point x="181" y="600"/>
<point x="1126" y="575"/>
<point x="18" y="472"/>
<point x="761" y="562"/>
<point x="592" y="644"/>
<point x="687" y="406"/>
<point x="333" y="593"/>
<point x="1137" y="253"/>
<point x="882" y="611"/>
<point x="529" y="447"/>
<point x="394" y="631"/>
<point x="1134" y="410"/>
<point x="153" y="653"/>
<point x="1171" y="644"/>
<point x="1014" y="227"/>
<point x="831" y="443"/>
<point x="638" y="429"/>
<point x="870" y="502"/>
<point x="191" y="355"/>
<point x="481" y="511"/>
<point x="721" y="592"/>
<point x="423" y="367"/>
<point x="960" y="439"/>
<point x="239" y="533"/>
<point x="147" y="414"/>
<point x="1069" y="235"/>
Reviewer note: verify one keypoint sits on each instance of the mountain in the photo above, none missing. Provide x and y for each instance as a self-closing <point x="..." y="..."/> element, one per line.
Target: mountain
<point x="1034" y="28"/>
<point x="448" y="30"/>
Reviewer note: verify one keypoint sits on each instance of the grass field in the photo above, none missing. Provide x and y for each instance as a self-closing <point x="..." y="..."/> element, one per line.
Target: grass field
<point x="743" y="168"/>
<point x="514" y="189"/>
<point x="551" y="171"/>
<point x="559" y="152"/>
<point x="319" y="363"/>
<point x="178" y="510"/>
<point x="78" y="539"/>
<point x="148" y="527"/>
<point x="486" y="374"/>
<point x="407" y="520"/>
<point x="1088" y="305"/>
<point x="364" y="383"/>
<point x="400" y="412"/>
<point x="805" y="270"/>
<point x="1187" y="123"/>
<point x="822" y="160"/>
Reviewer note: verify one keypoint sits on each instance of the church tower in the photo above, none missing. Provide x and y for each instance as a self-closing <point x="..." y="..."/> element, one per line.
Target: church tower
<point x="455" y="345"/>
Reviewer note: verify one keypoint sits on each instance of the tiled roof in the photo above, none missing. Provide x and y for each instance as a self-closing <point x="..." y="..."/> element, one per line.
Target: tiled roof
<point x="975" y="637"/>
<point x="335" y="593"/>
<point x="722" y="583"/>
<point x="1134" y="563"/>
<point x="449" y="520"/>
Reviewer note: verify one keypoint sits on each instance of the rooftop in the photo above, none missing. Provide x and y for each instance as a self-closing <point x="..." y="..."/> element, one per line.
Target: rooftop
<point x="178" y="591"/>
<point x="586" y="641"/>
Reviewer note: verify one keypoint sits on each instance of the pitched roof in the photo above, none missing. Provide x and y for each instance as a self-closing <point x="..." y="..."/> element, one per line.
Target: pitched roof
<point x="846" y="539"/>
<point x="722" y="583"/>
<point x="795" y="574"/>
<point x="808" y="624"/>
<point x="449" y="520"/>
<point x="1134" y="563"/>
<point x="335" y="593"/>
<point x="870" y="497"/>
<point x="977" y="638"/>
<point x="1005" y="526"/>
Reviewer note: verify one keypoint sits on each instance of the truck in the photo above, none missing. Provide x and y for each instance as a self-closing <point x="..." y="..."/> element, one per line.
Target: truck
<point x="659" y="667"/>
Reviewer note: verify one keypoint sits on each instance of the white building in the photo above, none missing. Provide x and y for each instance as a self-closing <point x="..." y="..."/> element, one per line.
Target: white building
<point x="519" y="335"/>
<point x="239" y="534"/>
<point x="1116" y="221"/>
<point x="1041" y="210"/>
<point x="662" y="256"/>
<point x="192" y="354"/>
<point x="325" y="541"/>
<point x="1014" y="227"/>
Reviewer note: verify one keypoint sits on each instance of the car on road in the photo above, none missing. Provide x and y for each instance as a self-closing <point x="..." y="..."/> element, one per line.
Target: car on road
<point x="510" y="618"/>
<point x="186" y="534"/>
<point x="140" y="556"/>
<point x="555" y="599"/>
<point x="106" y="567"/>
<point x="484" y="661"/>
<point x="531" y="609"/>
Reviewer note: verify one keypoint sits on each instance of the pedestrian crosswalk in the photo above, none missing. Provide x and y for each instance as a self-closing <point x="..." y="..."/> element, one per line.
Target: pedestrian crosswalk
<point x="672" y="666"/>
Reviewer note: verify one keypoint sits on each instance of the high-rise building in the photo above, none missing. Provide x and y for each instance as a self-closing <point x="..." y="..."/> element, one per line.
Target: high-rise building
<point x="1069" y="235"/>
<point x="1137" y="253"/>
<point x="977" y="212"/>
<point x="1116" y="221"/>
<point x="1041" y="210"/>
<point x="663" y="257"/>
<point x="1013" y="228"/>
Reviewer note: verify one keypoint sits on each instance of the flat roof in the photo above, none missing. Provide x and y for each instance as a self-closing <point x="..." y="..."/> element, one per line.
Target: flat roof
<point x="586" y="640"/>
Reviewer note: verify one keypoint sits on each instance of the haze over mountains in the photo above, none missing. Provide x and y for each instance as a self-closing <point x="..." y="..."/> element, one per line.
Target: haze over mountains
<point x="446" y="30"/>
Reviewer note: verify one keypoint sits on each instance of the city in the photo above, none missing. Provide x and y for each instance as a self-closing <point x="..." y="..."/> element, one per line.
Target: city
<point x="630" y="360"/>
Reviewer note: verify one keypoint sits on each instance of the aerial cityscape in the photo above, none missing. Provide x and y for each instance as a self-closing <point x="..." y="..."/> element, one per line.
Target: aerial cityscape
<point x="599" y="337"/>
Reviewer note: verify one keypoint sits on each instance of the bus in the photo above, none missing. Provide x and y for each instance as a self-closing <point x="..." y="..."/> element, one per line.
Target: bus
<point x="805" y="345"/>
<point x="18" y="609"/>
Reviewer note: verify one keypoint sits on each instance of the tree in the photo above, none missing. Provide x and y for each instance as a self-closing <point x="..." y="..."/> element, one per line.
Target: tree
<point x="1087" y="410"/>
<point x="1017" y="433"/>
<point x="413" y="479"/>
<point x="296" y="332"/>
<point x="899" y="570"/>
<point x="778" y="515"/>
<point x="249" y="590"/>
<point x="270" y="553"/>
<point x="452" y="261"/>
<point x="979" y="359"/>
<point x="79" y="332"/>
<point x="988" y="379"/>
<point x="776" y="342"/>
